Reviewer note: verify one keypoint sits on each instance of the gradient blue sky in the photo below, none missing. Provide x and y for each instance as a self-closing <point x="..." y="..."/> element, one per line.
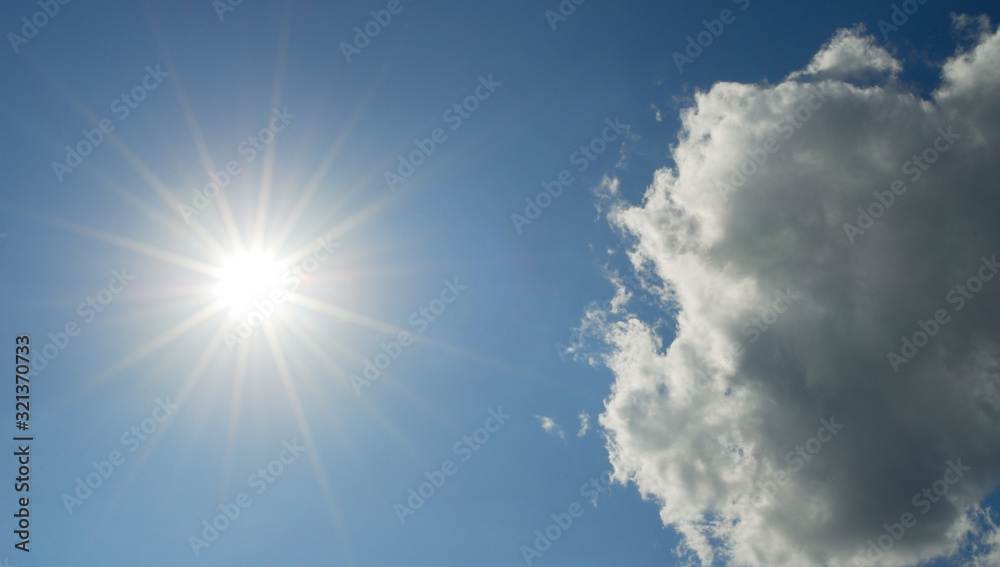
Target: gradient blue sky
<point x="494" y="346"/>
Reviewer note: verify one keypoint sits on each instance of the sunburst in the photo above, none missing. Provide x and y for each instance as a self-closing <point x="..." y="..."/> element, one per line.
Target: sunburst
<point x="238" y="261"/>
<point x="245" y="276"/>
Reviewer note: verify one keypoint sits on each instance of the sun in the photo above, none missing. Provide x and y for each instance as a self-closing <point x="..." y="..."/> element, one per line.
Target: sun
<point x="244" y="277"/>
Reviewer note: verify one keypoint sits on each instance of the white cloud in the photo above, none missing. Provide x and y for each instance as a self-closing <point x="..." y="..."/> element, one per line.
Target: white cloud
<point x="984" y="541"/>
<point x="550" y="426"/>
<point x="850" y="54"/>
<point x="656" y="113"/>
<point x="701" y="430"/>
<point x="584" y="424"/>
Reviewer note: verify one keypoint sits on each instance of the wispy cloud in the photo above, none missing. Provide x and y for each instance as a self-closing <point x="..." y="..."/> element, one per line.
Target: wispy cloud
<point x="551" y="427"/>
<point x="584" y="424"/>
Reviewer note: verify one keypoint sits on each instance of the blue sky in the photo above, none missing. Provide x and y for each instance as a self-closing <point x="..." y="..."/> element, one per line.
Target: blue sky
<point x="443" y="240"/>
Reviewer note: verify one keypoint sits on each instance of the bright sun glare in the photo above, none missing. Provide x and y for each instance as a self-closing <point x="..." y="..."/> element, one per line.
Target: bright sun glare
<point x="245" y="277"/>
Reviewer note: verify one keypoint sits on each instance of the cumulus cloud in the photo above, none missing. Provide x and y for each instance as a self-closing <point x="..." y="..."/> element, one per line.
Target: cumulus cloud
<point x="850" y="55"/>
<point x="787" y="315"/>
<point x="550" y="426"/>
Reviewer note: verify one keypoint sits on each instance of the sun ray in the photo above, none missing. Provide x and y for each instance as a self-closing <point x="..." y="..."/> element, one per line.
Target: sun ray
<point x="158" y="342"/>
<point x="147" y="449"/>
<point x="168" y="221"/>
<point x="208" y="165"/>
<point x="317" y="351"/>
<point x="123" y="242"/>
<point x="316" y="180"/>
<point x="165" y="195"/>
<point x="267" y="169"/>
<point x="235" y="410"/>
<point x="268" y="236"/>
<point x="313" y="347"/>
<point x="389" y="329"/>
<point x="300" y="418"/>
<point x="345" y="314"/>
